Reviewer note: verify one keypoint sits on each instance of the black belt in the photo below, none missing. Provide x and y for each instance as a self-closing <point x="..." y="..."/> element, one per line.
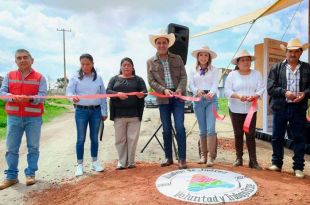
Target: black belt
<point x="87" y="107"/>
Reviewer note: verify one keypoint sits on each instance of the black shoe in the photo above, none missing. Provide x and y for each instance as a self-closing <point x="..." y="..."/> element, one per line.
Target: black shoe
<point x="131" y="166"/>
<point x="120" y="168"/>
<point x="166" y="163"/>
<point x="238" y="163"/>
<point x="254" y="165"/>
<point x="182" y="164"/>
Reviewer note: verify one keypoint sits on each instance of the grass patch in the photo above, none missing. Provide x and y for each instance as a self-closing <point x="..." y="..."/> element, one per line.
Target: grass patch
<point x="59" y="101"/>
<point x="2" y="133"/>
<point x="50" y="111"/>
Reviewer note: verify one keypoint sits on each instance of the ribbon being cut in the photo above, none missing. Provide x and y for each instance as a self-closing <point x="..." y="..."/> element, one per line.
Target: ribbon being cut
<point x="188" y="98"/>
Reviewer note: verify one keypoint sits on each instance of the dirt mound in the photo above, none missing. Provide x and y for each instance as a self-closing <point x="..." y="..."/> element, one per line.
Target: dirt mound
<point x="137" y="186"/>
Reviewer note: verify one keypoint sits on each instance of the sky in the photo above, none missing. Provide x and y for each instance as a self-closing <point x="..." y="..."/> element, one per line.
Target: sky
<point x="112" y="30"/>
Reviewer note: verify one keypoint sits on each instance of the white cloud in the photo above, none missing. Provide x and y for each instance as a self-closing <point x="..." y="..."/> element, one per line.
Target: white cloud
<point x="111" y="30"/>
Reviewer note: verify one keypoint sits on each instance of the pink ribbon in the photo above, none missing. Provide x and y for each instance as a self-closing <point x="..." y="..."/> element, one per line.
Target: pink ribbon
<point x="188" y="98"/>
<point x="72" y="96"/>
<point x="216" y="115"/>
<point x="248" y="119"/>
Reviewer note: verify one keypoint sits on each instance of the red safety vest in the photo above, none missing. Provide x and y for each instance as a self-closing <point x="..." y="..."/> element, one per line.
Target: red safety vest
<point x="28" y="86"/>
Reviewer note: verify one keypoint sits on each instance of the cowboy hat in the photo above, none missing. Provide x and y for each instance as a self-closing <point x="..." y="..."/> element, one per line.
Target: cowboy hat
<point x="240" y="54"/>
<point x="294" y="44"/>
<point x="204" y="49"/>
<point x="162" y="34"/>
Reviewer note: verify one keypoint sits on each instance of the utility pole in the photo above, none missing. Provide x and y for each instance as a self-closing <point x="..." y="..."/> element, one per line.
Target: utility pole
<point x="64" y="47"/>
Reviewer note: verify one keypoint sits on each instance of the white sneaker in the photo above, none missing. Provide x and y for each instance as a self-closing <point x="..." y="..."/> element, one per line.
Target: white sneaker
<point x="79" y="170"/>
<point x="97" y="167"/>
<point x="299" y="173"/>
<point x="210" y="162"/>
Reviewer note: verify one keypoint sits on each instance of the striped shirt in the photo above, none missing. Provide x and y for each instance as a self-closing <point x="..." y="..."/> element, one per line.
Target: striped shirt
<point x="292" y="78"/>
<point x="168" y="79"/>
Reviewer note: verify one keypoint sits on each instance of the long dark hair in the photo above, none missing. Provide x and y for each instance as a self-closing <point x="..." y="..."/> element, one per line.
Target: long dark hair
<point x="131" y="62"/>
<point x="81" y="73"/>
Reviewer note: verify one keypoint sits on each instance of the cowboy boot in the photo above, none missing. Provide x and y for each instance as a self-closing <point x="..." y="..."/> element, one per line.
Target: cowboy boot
<point x="212" y="149"/>
<point x="203" y="150"/>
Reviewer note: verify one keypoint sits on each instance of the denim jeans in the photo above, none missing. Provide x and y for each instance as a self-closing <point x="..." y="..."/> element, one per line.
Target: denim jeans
<point x="205" y="116"/>
<point x="296" y="117"/>
<point x="16" y="126"/>
<point x="83" y="117"/>
<point x="175" y="107"/>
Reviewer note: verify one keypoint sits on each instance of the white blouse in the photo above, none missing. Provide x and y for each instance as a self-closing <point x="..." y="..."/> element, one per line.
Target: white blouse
<point x="249" y="85"/>
<point x="209" y="81"/>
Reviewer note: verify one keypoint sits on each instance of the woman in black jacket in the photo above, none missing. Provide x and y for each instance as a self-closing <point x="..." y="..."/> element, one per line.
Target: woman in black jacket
<point x="126" y="112"/>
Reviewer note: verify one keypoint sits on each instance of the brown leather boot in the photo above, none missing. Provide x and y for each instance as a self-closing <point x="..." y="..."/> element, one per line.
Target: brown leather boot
<point x="203" y="150"/>
<point x="182" y="164"/>
<point x="30" y="180"/>
<point x="7" y="183"/>
<point x="166" y="163"/>
<point x="212" y="149"/>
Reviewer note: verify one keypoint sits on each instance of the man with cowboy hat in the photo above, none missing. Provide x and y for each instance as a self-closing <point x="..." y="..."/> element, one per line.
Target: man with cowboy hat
<point x="167" y="75"/>
<point x="289" y="91"/>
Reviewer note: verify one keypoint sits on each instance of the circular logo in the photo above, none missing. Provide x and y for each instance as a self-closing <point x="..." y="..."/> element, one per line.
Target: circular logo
<point x="209" y="186"/>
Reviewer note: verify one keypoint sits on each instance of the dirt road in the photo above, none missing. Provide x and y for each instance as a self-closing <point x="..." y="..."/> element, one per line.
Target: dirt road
<point x="57" y="152"/>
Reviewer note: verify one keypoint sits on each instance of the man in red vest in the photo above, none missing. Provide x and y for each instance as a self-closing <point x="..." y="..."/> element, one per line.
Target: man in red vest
<point x="24" y="115"/>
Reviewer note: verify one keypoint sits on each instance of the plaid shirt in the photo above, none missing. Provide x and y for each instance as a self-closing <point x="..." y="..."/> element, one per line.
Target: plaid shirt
<point x="292" y="78"/>
<point x="168" y="79"/>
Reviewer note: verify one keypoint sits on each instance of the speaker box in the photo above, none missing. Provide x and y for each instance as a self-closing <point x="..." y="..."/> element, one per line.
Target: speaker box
<point x="180" y="46"/>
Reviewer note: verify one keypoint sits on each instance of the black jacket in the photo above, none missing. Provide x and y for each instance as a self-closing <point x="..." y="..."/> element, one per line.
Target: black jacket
<point x="276" y="86"/>
<point x="127" y="105"/>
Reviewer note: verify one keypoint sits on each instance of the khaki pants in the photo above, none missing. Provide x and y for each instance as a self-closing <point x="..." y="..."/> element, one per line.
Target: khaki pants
<point x="126" y="138"/>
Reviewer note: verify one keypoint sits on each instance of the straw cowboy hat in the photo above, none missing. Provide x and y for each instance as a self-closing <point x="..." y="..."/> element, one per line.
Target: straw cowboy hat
<point x="162" y="34"/>
<point x="205" y="49"/>
<point x="294" y="44"/>
<point x="241" y="54"/>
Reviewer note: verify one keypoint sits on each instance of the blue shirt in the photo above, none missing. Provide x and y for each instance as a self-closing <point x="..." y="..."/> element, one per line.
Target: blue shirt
<point x="87" y="86"/>
<point x="4" y="90"/>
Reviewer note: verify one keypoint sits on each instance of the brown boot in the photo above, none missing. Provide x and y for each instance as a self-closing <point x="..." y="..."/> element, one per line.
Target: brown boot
<point x="166" y="163"/>
<point x="203" y="150"/>
<point x="30" y="180"/>
<point x="7" y="183"/>
<point x="212" y="149"/>
<point x="182" y="164"/>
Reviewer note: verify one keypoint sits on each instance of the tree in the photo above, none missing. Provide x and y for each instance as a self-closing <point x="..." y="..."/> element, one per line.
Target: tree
<point x="61" y="83"/>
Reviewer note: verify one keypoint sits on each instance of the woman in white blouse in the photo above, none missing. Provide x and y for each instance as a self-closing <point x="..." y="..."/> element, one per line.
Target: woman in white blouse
<point x="243" y="85"/>
<point x="203" y="82"/>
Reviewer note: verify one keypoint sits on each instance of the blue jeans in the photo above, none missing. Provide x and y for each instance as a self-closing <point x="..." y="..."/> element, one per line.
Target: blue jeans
<point x="296" y="117"/>
<point x="175" y="107"/>
<point x="16" y="126"/>
<point x="83" y="117"/>
<point x="205" y="116"/>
